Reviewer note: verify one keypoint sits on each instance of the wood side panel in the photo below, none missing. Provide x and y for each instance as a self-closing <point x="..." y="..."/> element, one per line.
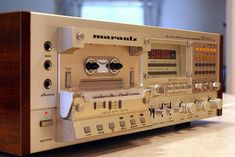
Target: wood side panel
<point x="25" y="83"/>
<point x="220" y="92"/>
<point x="14" y="90"/>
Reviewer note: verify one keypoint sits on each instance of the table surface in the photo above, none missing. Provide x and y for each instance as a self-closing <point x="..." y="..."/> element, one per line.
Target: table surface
<point x="210" y="137"/>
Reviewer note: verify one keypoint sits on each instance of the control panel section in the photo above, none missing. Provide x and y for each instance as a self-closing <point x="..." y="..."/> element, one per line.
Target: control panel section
<point x="205" y="67"/>
<point x="107" y="125"/>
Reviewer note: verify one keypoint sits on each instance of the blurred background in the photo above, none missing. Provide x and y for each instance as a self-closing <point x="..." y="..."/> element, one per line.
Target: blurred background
<point x="199" y="15"/>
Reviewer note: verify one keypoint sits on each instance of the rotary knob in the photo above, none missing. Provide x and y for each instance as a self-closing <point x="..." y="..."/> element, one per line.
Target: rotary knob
<point x="198" y="86"/>
<point x="206" y="85"/>
<point x="216" y="103"/>
<point x="158" y="89"/>
<point x="215" y="85"/>
<point x="202" y="105"/>
<point x="189" y="107"/>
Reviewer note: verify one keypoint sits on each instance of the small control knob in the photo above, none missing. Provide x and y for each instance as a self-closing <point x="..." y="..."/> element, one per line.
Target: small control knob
<point x="115" y="66"/>
<point x="92" y="66"/>
<point x="158" y="89"/>
<point x="189" y="107"/>
<point x="206" y="85"/>
<point x="198" y="86"/>
<point x="202" y="105"/>
<point x="216" y="103"/>
<point x="215" y="85"/>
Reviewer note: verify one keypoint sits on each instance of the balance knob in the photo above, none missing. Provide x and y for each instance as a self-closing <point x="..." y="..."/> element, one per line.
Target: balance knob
<point x="216" y="103"/>
<point x="91" y="66"/>
<point x="189" y="107"/>
<point x="202" y="105"/>
<point x="216" y="85"/>
<point x="198" y="86"/>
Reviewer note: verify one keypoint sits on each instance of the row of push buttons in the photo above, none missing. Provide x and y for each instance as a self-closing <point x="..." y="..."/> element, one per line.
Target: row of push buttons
<point x="205" y="64"/>
<point x="203" y="49"/>
<point x="99" y="127"/>
<point x="205" y="72"/>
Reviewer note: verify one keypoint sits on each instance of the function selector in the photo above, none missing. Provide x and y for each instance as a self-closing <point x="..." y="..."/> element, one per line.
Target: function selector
<point x="188" y="107"/>
<point x="216" y="103"/>
<point x="202" y="105"/>
<point x="215" y="85"/>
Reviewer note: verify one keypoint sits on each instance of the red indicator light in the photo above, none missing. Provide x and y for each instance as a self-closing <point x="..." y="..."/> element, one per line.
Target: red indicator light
<point x="45" y="112"/>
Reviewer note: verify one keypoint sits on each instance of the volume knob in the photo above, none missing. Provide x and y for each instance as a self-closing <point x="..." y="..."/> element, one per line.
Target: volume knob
<point x="189" y="107"/>
<point x="202" y="105"/>
<point x="216" y="103"/>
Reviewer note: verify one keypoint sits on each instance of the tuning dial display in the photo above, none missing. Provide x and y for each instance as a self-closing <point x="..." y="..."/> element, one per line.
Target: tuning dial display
<point x="188" y="107"/>
<point x="216" y="103"/>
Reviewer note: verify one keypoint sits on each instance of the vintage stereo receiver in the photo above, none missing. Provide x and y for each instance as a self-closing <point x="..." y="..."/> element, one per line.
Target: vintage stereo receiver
<point x="67" y="80"/>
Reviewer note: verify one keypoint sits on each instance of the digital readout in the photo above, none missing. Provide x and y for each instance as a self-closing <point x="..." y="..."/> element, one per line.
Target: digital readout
<point x="162" y="54"/>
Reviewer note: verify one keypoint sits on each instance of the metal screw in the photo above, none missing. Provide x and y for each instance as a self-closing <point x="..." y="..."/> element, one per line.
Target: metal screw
<point x="80" y="36"/>
<point x="146" y="41"/>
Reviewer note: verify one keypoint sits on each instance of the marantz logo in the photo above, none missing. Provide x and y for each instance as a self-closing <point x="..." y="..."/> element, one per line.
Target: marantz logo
<point x="45" y="140"/>
<point x="111" y="37"/>
<point x="49" y="94"/>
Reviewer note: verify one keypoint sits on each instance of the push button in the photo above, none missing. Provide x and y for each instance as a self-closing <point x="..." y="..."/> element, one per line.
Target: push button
<point x="133" y="122"/>
<point x="142" y="120"/>
<point x="87" y="129"/>
<point x="122" y="123"/>
<point x="111" y="126"/>
<point x="99" y="127"/>
<point x="45" y="123"/>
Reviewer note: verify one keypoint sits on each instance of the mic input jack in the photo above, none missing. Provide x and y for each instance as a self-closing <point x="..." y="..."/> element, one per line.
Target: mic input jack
<point x="47" y="65"/>
<point x="48" y="46"/>
<point x="47" y="84"/>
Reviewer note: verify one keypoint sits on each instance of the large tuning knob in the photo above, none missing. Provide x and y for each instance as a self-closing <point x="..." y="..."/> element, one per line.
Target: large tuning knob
<point x="188" y="107"/>
<point x="216" y="103"/>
